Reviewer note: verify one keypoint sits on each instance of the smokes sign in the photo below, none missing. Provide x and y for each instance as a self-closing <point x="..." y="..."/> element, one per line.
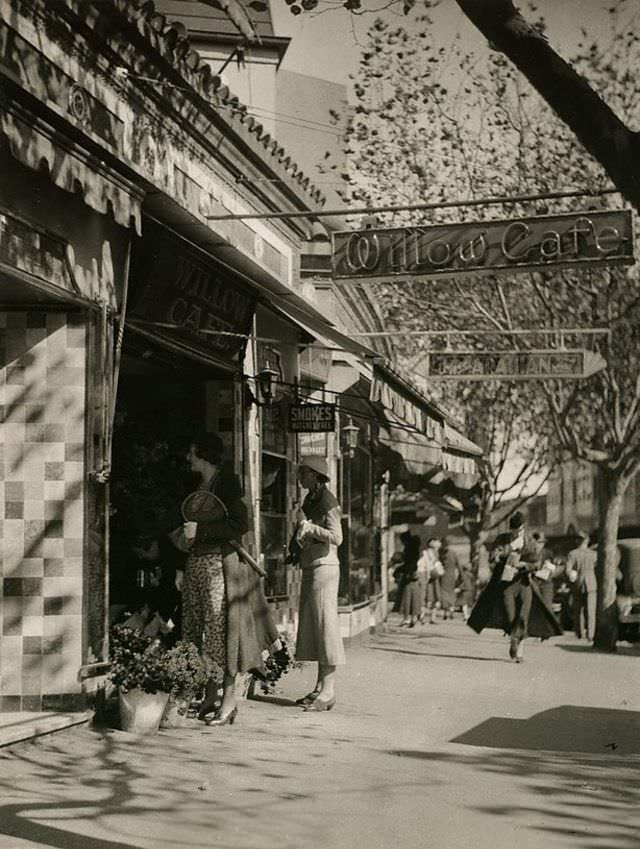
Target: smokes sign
<point x="312" y="418"/>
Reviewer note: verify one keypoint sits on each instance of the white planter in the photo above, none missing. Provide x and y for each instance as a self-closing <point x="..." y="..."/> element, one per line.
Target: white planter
<point x="140" y="712"/>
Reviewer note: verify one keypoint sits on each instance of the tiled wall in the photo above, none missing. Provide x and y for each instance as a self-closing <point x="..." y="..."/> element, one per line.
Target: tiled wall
<point x="42" y="432"/>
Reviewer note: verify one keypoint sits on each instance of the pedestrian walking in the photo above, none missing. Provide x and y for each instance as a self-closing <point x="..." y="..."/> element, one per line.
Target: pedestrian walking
<point x="224" y="612"/>
<point x="511" y="601"/>
<point x="411" y="592"/>
<point x="433" y="569"/>
<point x="467" y="589"/>
<point x="448" y="579"/>
<point x="581" y="572"/>
<point x="543" y="576"/>
<point x="318" y="535"/>
<point x="481" y="564"/>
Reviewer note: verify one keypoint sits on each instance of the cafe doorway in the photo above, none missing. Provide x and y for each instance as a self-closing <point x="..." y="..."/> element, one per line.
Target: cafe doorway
<point x="164" y="399"/>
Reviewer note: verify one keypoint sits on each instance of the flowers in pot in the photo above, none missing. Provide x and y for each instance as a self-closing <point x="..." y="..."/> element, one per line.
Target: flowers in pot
<point x="147" y="674"/>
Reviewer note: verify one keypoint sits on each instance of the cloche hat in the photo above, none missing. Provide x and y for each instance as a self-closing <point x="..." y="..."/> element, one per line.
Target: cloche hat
<point x="317" y="464"/>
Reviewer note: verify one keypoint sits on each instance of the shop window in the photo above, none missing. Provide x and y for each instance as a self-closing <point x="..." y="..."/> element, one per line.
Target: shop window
<point x="274" y="529"/>
<point x="359" y="566"/>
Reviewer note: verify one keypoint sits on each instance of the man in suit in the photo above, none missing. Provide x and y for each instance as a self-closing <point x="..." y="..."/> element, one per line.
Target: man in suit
<point x="581" y="569"/>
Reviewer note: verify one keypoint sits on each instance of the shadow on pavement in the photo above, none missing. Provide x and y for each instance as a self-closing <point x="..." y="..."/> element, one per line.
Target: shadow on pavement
<point x="590" y="801"/>
<point x="567" y="728"/>
<point x="274" y="700"/>
<point x="441" y="654"/>
<point x="587" y="648"/>
<point x="116" y="791"/>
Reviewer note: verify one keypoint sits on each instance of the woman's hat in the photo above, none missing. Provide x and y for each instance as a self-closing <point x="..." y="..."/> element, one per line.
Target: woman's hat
<point x="516" y="521"/>
<point x="317" y="464"/>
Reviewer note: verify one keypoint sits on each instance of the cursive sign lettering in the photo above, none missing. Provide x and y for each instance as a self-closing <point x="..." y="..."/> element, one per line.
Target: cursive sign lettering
<point x="598" y="238"/>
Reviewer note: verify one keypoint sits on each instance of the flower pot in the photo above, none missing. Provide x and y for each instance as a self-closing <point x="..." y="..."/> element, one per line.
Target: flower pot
<point x="140" y="712"/>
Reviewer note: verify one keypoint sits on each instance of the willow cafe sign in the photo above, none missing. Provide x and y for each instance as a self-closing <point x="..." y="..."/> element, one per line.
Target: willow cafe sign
<point x="597" y="238"/>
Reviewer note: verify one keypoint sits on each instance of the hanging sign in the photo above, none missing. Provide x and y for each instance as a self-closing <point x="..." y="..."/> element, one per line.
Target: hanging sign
<point x="514" y="365"/>
<point x="597" y="238"/>
<point x="312" y="418"/>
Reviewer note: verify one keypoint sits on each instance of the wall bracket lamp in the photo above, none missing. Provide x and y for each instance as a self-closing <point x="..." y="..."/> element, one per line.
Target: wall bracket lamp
<point x="350" y="434"/>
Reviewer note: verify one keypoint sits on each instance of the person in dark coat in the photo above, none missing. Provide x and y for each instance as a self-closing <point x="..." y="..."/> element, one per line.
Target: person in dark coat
<point x="411" y="594"/>
<point x="511" y="601"/>
<point x="543" y="577"/>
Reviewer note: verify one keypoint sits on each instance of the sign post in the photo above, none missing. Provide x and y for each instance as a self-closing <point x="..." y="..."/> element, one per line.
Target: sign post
<point x="514" y="365"/>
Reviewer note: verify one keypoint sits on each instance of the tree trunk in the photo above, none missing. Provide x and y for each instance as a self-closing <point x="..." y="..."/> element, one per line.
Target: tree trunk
<point x="571" y="97"/>
<point x="611" y="494"/>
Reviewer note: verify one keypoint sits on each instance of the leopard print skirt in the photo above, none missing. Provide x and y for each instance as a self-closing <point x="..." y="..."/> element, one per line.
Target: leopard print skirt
<point x="204" y="609"/>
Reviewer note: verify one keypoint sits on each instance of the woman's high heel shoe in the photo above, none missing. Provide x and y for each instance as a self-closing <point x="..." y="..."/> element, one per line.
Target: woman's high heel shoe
<point x="320" y="705"/>
<point x="218" y="719"/>
<point x="308" y="699"/>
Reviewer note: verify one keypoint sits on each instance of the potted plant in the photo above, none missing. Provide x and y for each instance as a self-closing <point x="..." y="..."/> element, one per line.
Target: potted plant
<point x="186" y="674"/>
<point x="147" y="674"/>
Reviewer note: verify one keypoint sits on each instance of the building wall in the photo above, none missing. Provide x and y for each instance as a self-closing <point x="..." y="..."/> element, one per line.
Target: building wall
<point x="42" y="402"/>
<point x="306" y="128"/>
<point x="573" y="497"/>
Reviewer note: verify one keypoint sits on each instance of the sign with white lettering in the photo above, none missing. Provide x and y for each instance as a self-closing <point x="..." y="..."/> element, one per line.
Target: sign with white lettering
<point x="187" y="297"/>
<point x="514" y="365"/>
<point x="312" y="418"/>
<point x="603" y="237"/>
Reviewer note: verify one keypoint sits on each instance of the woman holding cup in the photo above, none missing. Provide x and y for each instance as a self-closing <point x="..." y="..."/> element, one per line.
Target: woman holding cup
<point x="224" y="612"/>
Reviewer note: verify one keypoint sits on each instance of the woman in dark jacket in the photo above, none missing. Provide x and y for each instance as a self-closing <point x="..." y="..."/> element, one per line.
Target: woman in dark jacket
<point x="410" y="588"/>
<point x="224" y="611"/>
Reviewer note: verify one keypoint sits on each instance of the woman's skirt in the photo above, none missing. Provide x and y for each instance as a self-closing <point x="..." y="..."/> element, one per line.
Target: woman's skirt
<point x="412" y="597"/>
<point x="318" y="625"/>
<point x="204" y="609"/>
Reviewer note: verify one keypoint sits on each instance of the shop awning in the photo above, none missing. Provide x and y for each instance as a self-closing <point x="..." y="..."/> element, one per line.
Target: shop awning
<point x="419" y="454"/>
<point x="302" y="313"/>
<point x="34" y="143"/>
<point x="417" y="430"/>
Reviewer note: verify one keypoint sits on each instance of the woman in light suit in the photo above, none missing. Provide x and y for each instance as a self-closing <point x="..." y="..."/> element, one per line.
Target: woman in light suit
<point x="318" y="535"/>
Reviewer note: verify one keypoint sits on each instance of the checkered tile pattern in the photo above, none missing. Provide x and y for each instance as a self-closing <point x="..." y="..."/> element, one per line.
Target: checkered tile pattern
<point x="42" y="421"/>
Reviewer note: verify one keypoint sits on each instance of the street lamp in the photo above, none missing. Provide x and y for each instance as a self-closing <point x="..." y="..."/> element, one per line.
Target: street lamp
<point x="266" y="380"/>
<point x="350" y="435"/>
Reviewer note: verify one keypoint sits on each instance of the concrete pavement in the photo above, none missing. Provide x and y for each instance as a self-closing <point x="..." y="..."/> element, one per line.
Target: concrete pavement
<point x="437" y="740"/>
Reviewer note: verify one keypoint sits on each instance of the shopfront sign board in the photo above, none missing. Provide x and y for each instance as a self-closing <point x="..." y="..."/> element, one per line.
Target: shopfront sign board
<point x="312" y="418"/>
<point x="514" y="365"/>
<point x="182" y="294"/>
<point x="593" y="238"/>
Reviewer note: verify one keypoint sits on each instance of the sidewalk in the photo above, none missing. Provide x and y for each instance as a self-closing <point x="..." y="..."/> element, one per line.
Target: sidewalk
<point x="437" y="740"/>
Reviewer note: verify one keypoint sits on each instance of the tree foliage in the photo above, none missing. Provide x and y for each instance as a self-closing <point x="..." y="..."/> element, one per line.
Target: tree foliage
<point x="432" y="122"/>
